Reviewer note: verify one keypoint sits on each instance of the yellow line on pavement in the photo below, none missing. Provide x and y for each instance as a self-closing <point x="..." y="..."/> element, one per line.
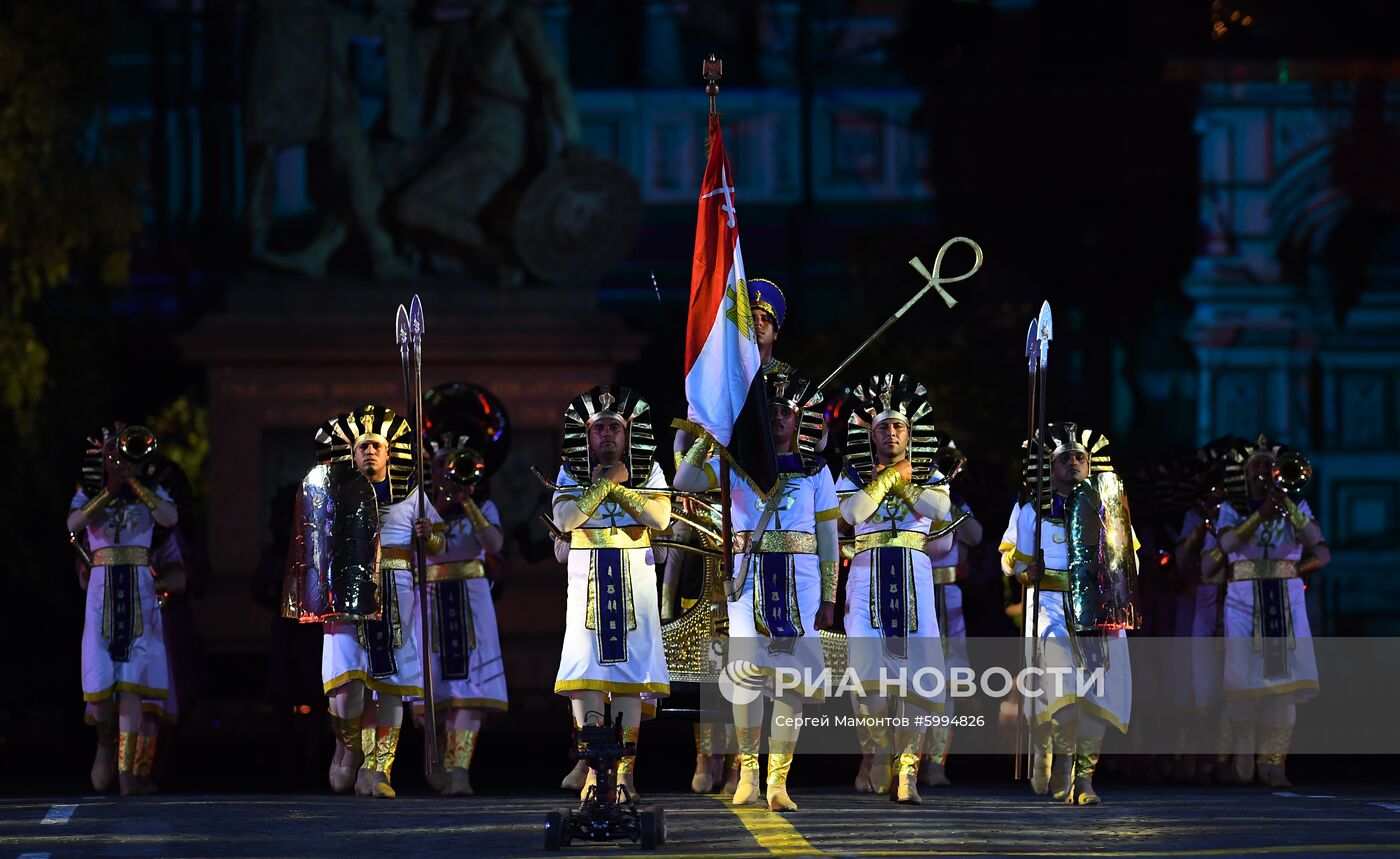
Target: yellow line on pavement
<point x="771" y="831"/>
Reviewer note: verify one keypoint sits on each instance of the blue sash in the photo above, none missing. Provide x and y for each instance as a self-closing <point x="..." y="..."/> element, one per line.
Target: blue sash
<point x="379" y="634"/>
<point x="895" y="612"/>
<point x="775" y="599"/>
<point x="611" y="605"/>
<point x="454" y="609"/>
<point x="123" y="601"/>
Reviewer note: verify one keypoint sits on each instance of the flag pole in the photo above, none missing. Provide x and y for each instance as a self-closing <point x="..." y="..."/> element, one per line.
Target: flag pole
<point x="712" y="69"/>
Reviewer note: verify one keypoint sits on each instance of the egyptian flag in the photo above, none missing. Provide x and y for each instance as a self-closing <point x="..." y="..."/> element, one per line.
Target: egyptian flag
<point x="723" y="380"/>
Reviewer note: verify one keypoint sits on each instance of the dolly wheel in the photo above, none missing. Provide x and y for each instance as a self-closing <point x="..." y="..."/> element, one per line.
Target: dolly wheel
<point x="553" y="830"/>
<point x="660" y="823"/>
<point x="647" y="823"/>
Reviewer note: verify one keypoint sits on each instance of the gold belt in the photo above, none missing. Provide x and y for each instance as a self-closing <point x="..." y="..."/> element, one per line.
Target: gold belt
<point x="456" y="570"/>
<point x="118" y="556"/>
<point x="627" y="537"/>
<point x="1244" y="571"/>
<point x="891" y="540"/>
<point x="945" y="575"/>
<point x="783" y="542"/>
<point x="1054" y="580"/>
<point x="395" y="558"/>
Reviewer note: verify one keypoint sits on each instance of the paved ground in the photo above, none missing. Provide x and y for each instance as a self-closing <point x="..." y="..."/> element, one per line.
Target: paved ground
<point x="973" y="821"/>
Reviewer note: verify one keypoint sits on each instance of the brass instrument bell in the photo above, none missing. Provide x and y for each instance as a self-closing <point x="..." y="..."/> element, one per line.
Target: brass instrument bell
<point x="464" y="468"/>
<point x="136" y="442"/>
<point x="1292" y="473"/>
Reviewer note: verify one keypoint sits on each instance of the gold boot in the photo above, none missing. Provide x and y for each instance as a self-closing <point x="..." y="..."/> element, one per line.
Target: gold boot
<point x="779" y="762"/>
<point x="386" y="745"/>
<point x="627" y="765"/>
<point x="746" y="790"/>
<point x="703" y="780"/>
<point x="1041" y="759"/>
<point x="1086" y="760"/>
<point x="368" y="773"/>
<point x="907" y="779"/>
<point x="577" y="776"/>
<point x="346" y="765"/>
<point x="457" y="762"/>
<point x="1242" y="759"/>
<point x="104" y="762"/>
<point x="126" y="760"/>
<point x="143" y="764"/>
<point x="1062" y="768"/>
<point x="1274" y="748"/>
<point x="932" y="774"/>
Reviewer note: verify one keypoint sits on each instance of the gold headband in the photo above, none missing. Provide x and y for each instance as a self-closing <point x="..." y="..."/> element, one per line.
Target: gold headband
<point x="887" y="415"/>
<point x="371" y="436"/>
<point x="1067" y="447"/>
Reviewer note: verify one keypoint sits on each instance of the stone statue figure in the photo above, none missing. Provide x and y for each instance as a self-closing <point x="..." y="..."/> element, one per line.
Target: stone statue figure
<point x="300" y="92"/>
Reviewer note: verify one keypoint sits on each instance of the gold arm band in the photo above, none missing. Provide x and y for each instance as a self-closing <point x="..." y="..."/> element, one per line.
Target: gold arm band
<point x="593" y="496"/>
<point x="699" y="453"/>
<point x="828" y="515"/>
<point x="1246" y="571"/>
<point x="829" y="576"/>
<point x="93" y="507"/>
<point x="945" y="575"/>
<point x="1216" y="554"/>
<point x="144" y="495"/>
<point x="474" y="515"/>
<point x="395" y="558"/>
<point x="1296" y="517"/>
<point x="628" y="499"/>
<point x="1245" y="530"/>
<point x="456" y="571"/>
<point x="908" y="492"/>
<point x="781" y="542"/>
<point x="878" y="488"/>
<point x="891" y="539"/>
<point x="629" y="537"/>
<point x="120" y="556"/>
<point x="436" y="544"/>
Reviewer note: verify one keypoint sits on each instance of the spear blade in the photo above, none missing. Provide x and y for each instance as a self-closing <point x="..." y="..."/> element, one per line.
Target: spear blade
<point x="401" y="326"/>
<point x="1032" y="344"/>
<point x="1046" y="325"/>
<point x="415" y="318"/>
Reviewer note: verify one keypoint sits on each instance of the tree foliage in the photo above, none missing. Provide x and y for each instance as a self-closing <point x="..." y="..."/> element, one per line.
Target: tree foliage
<point x="69" y="206"/>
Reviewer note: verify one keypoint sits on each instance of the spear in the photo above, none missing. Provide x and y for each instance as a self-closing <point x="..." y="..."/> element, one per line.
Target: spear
<point x="1032" y="354"/>
<point x="1045" y="332"/>
<point x="408" y="332"/>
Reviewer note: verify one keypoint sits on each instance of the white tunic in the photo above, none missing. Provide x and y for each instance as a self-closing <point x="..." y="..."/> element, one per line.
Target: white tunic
<point x="343" y="657"/>
<point x="1113" y="702"/>
<point x="805" y="502"/>
<point x="644" y="668"/>
<point x="144" y="672"/>
<point x="1207" y="657"/>
<point x="868" y="654"/>
<point x="1244" y="660"/>
<point x="485" y="684"/>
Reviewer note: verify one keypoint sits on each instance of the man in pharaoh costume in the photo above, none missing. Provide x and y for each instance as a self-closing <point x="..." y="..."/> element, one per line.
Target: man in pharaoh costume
<point x="893" y="497"/>
<point x="788" y="553"/>
<point x="1204" y="487"/>
<point x="612" y="640"/>
<point x="1269" y="542"/>
<point x="949" y="559"/>
<point x="1077" y="611"/>
<point x="123" y="650"/>
<point x="351" y="568"/>
<point x="468" y="671"/>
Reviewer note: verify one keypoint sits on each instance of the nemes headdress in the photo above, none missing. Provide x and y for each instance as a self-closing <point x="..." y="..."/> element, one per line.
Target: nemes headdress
<point x="892" y="396"/>
<point x="336" y="440"/>
<point x="802" y="397"/>
<point x="1237" y="456"/>
<point x="766" y="296"/>
<point x="609" y="401"/>
<point x="1060" y="438"/>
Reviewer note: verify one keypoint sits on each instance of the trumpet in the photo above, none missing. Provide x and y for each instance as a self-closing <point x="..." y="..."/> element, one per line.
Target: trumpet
<point x="464" y="468"/>
<point x="136" y="443"/>
<point x="1292" y="473"/>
